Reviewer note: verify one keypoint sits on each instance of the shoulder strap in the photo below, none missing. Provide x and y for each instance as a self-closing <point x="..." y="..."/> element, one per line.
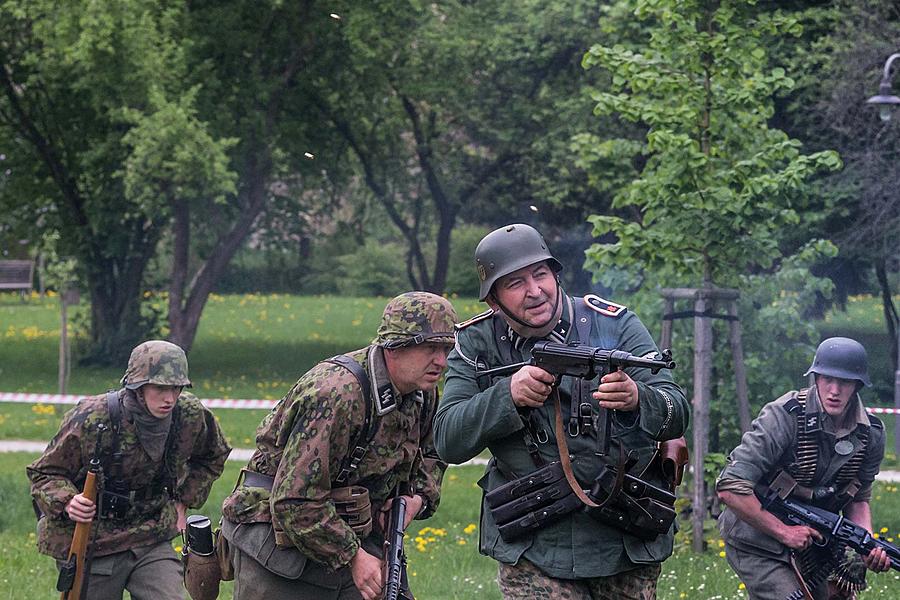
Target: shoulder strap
<point x="367" y="431"/>
<point x="113" y="458"/>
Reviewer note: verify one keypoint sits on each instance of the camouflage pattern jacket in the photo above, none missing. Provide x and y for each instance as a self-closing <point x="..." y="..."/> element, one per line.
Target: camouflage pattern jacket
<point x="198" y="451"/>
<point x="304" y="440"/>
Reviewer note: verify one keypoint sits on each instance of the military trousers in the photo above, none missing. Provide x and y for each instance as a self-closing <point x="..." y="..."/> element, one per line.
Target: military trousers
<point x="149" y="573"/>
<point x="524" y="581"/>
<point x="767" y="577"/>
<point x="253" y="581"/>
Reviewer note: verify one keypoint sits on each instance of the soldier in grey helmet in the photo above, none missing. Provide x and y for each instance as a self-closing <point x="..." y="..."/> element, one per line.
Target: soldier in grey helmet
<point x="576" y="556"/>
<point x="820" y="444"/>
<point x="161" y="451"/>
<point x="354" y="432"/>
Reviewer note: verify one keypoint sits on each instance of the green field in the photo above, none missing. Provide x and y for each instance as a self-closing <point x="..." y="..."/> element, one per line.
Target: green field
<point x="256" y="346"/>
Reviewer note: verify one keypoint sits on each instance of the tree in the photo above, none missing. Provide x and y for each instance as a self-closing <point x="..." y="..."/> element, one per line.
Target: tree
<point x="715" y="188"/>
<point x="460" y="106"/>
<point x="841" y="67"/>
<point x="711" y="168"/>
<point x="75" y="79"/>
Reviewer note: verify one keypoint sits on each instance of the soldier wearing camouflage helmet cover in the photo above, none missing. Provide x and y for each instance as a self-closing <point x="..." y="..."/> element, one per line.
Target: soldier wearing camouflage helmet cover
<point x="576" y="556"/>
<point x="821" y="446"/>
<point x="161" y="452"/>
<point x="354" y="431"/>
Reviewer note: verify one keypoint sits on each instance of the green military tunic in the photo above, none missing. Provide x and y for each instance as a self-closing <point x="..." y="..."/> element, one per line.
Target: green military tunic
<point x="198" y="452"/>
<point x="475" y="414"/>
<point x="768" y="448"/>
<point x="304" y="440"/>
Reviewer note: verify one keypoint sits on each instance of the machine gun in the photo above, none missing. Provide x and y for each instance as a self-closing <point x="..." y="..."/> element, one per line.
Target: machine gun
<point x="394" y="556"/>
<point x="580" y="360"/>
<point x="833" y="527"/>
<point x="75" y="571"/>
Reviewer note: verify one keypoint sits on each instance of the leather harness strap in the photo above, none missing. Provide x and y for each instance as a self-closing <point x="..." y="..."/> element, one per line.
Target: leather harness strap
<point x="566" y="462"/>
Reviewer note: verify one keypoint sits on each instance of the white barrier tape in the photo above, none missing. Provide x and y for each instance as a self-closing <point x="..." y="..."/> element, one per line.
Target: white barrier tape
<point x="225" y="402"/>
<point x="73" y="399"/>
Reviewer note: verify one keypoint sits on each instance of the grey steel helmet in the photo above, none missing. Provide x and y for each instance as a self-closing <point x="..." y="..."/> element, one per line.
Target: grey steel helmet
<point x="416" y="318"/>
<point x="841" y="357"/>
<point x="509" y="249"/>
<point x="158" y="362"/>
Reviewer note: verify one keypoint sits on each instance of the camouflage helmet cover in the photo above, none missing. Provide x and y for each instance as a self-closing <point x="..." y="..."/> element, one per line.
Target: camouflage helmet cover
<point x="157" y="362"/>
<point x="841" y="357"/>
<point x="508" y="249"/>
<point x="415" y="318"/>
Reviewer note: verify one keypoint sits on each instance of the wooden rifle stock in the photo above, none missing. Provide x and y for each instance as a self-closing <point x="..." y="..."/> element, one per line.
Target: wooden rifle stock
<point x="73" y="575"/>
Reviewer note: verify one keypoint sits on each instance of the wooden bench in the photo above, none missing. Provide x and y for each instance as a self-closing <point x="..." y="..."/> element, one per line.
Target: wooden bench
<point x="16" y="275"/>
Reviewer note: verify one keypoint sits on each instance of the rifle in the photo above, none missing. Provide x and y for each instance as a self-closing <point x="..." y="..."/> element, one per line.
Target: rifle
<point x="833" y="527"/>
<point x="394" y="556"/>
<point x="74" y="573"/>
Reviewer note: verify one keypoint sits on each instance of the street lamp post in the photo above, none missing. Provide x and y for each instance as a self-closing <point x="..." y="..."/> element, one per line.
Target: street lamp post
<point x="885" y="100"/>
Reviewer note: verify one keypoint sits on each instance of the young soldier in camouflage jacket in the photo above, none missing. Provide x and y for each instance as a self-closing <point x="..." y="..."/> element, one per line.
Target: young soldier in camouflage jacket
<point x="309" y="550"/>
<point x="171" y="451"/>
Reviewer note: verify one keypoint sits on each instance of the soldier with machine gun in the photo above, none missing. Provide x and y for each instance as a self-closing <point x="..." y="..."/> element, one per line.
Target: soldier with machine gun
<point x="809" y="456"/>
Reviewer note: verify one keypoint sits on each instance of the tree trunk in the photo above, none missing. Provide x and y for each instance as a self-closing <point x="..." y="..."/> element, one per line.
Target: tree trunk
<point x="891" y="318"/>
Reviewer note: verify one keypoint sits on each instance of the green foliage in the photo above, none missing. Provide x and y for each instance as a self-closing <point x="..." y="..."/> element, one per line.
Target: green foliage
<point x="375" y="269"/>
<point x="461" y="277"/>
<point x="717" y="185"/>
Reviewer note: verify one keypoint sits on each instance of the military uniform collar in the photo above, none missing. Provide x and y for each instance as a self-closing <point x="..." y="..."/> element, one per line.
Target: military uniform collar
<point x="560" y="332"/>
<point x="859" y="418"/>
<point x="385" y="394"/>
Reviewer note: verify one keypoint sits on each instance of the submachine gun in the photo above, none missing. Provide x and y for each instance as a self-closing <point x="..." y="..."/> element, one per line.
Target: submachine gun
<point x="579" y="360"/>
<point x="617" y="498"/>
<point x="74" y="572"/>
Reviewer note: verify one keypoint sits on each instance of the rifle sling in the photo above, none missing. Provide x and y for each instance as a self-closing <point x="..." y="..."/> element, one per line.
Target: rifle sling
<point x="566" y="463"/>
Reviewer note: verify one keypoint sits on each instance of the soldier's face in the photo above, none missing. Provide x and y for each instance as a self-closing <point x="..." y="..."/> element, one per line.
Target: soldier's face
<point x="160" y="399"/>
<point x="417" y="367"/>
<point x="835" y="393"/>
<point x="529" y="293"/>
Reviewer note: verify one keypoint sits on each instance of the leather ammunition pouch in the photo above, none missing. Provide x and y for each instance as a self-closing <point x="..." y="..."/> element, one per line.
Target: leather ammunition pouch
<point x="636" y="507"/>
<point x="529" y="503"/>
<point x="354" y="507"/>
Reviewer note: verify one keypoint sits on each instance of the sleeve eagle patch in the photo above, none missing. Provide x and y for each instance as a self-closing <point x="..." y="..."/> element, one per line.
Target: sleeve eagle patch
<point x="604" y="307"/>
<point x="476" y="319"/>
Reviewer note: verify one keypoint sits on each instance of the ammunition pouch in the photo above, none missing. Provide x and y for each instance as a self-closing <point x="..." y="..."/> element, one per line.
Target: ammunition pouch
<point x="354" y="507"/>
<point x="532" y="502"/>
<point x="637" y="507"/>
<point x="116" y="498"/>
<point x="67" y="572"/>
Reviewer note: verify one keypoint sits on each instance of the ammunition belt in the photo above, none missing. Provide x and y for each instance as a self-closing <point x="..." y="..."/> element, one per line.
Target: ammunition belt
<point x="807" y="451"/>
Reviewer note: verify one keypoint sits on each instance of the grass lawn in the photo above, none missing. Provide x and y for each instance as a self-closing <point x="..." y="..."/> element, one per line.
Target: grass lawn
<point x="443" y="551"/>
<point x="256" y="346"/>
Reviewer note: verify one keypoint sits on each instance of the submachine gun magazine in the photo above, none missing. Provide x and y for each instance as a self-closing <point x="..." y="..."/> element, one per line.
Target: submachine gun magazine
<point x="394" y="556"/>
